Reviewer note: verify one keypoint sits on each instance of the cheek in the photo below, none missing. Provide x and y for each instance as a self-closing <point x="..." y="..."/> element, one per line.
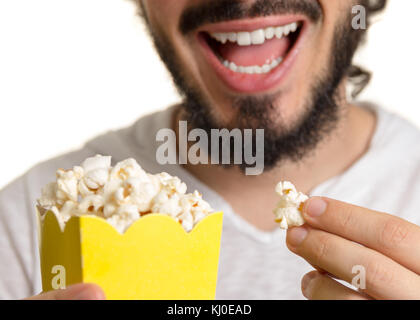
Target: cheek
<point x="164" y="13"/>
<point x="315" y="63"/>
<point x="164" y="17"/>
<point x="318" y="52"/>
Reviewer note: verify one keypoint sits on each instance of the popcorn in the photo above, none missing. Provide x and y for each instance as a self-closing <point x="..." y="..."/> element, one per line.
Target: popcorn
<point x="66" y="185"/>
<point x="289" y="207"/>
<point x="121" y="194"/>
<point x="94" y="174"/>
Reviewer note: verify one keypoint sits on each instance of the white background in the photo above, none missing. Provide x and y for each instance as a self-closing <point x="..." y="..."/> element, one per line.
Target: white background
<point x="71" y="69"/>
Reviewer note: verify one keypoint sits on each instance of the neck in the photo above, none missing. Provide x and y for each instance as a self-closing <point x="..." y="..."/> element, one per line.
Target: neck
<point x="253" y="197"/>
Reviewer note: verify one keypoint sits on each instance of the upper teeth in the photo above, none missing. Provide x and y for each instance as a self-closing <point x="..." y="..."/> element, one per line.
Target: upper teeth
<point x="255" y="37"/>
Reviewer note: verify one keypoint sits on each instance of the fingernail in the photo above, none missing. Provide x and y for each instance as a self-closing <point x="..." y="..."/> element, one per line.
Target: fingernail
<point x="306" y="284"/>
<point x="296" y="236"/>
<point x="316" y="207"/>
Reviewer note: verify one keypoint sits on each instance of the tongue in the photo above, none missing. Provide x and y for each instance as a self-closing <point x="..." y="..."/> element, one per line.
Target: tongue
<point x="255" y="55"/>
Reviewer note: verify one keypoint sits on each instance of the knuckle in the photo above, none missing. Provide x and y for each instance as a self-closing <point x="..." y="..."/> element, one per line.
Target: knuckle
<point x="322" y="249"/>
<point x="346" y="220"/>
<point x="378" y="275"/>
<point x="393" y="233"/>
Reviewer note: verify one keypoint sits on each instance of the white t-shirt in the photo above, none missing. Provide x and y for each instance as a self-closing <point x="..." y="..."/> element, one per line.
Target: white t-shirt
<point x="253" y="264"/>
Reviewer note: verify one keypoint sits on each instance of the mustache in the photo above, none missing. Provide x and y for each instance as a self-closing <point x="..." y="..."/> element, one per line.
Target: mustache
<point x="225" y="10"/>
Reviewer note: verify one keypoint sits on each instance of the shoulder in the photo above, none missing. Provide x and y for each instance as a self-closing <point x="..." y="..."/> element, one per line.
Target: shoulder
<point x="133" y="141"/>
<point x="387" y="177"/>
<point x="397" y="136"/>
<point x="393" y="166"/>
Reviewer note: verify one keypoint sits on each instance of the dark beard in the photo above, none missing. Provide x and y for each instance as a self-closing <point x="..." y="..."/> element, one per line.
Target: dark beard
<point x="322" y="111"/>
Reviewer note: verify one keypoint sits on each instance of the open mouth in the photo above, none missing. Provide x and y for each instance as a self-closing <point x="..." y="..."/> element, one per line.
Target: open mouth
<point x="254" y="58"/>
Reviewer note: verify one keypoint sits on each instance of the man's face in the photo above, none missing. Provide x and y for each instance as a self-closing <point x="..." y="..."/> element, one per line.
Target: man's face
<point x="256" y="63"/>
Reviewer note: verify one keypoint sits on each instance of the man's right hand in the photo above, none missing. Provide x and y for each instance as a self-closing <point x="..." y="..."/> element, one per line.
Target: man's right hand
<point x="81" y="291"/>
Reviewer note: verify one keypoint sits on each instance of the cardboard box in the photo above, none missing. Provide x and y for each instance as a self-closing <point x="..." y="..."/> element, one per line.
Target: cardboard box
<point x="154" y="259"/>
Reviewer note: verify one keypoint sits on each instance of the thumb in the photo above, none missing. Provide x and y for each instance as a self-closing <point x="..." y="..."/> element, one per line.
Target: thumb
<point x="81" y="291"/>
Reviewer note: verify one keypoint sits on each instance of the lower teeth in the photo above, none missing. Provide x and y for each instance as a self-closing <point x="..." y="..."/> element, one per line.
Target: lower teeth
<point x="253" y="69"/>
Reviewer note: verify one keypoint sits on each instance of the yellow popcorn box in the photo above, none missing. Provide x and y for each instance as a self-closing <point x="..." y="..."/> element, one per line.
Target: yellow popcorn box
<point x="154" y="259"/>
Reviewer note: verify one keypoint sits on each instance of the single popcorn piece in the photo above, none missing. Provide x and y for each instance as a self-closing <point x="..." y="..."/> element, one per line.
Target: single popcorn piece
<point x="121" y="195"/>
<point x="289" y="208"/>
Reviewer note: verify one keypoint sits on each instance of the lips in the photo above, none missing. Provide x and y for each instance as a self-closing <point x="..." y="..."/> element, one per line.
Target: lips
<point x="255" y="55"/>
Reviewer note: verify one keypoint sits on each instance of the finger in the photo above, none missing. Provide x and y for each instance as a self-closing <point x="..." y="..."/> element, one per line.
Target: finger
<point x="82" y="291"/>
<point x="316" y="286"/>
<point x="384" y="278"/>
<point x="390" y="235"/>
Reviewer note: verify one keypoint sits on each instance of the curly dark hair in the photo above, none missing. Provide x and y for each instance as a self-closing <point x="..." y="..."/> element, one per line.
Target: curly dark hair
<point x="357" y="76"/>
